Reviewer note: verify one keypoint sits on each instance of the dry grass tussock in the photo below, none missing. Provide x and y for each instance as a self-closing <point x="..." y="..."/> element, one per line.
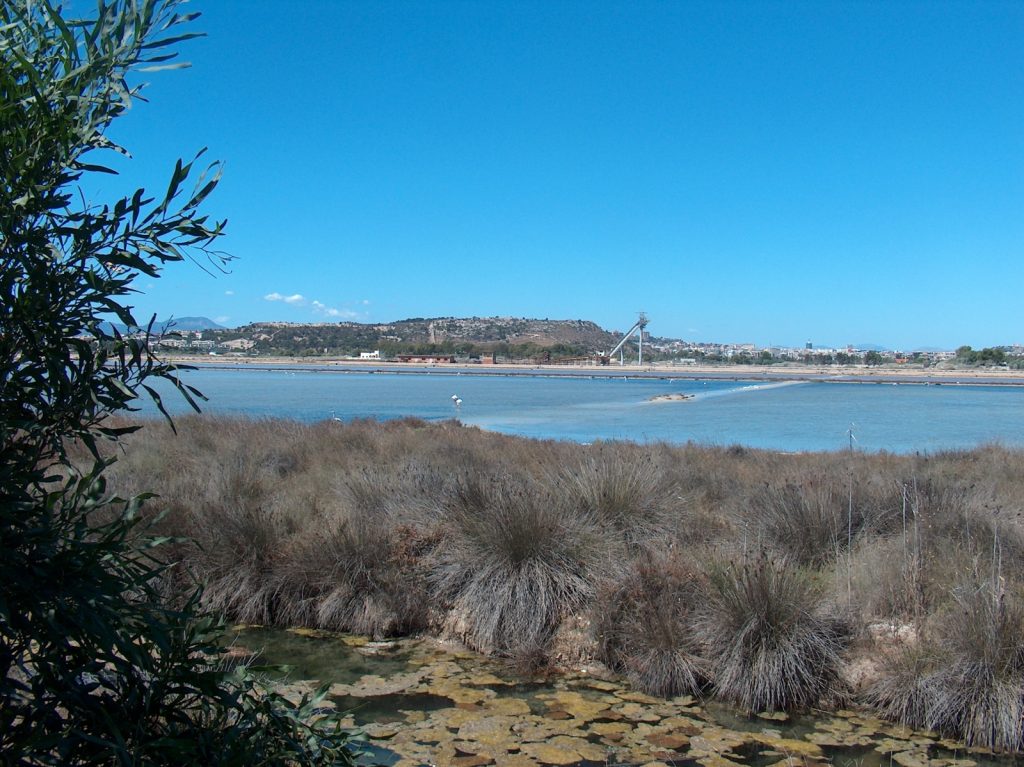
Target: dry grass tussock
<point x="771" y="640"/>
<point x="388" y="528"/>
<point x="516" y="558"/>
<point x="645" y="619"/>
<point x="967" y="676"/>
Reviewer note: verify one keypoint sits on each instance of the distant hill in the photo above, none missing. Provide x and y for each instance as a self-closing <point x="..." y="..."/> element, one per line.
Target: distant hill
<point x="871" y="347"/>
<point x="170" y="325"/>
<point x="449" y="334"/>
<point x="186" y="324"/>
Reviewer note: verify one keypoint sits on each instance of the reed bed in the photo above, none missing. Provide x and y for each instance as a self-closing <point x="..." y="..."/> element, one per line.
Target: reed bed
<point x="757" y="577"/>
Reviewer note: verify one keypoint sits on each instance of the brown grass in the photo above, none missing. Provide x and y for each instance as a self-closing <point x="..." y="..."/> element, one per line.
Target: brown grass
<point x="386" y="528"/>
<point x="645" y="619"/>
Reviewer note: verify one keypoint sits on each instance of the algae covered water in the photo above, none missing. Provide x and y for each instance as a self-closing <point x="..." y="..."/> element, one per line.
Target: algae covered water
<point x="420" y="702"/>
<point x="790" y="416"/>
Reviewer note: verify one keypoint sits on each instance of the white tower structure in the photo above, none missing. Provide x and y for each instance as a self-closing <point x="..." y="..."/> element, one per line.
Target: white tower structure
<point x="638" y="327"/>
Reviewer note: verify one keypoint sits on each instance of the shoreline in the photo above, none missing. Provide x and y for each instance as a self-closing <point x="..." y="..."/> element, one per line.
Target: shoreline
<point x="755" y="373"/>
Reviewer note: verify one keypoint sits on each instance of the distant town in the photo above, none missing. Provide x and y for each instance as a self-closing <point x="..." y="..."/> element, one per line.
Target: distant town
<point x="507" y="340"/>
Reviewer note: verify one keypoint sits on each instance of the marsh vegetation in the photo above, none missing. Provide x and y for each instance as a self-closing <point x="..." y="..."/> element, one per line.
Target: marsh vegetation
<point x="771" y="581"/>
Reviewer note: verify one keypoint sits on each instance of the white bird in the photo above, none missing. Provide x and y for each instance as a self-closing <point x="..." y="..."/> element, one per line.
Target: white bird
<point x="458" y="402"/>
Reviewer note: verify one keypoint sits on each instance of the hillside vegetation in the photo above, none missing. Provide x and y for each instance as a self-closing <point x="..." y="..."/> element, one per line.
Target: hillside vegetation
<point x="772" y="581"/>
<point x="475" y="336"/>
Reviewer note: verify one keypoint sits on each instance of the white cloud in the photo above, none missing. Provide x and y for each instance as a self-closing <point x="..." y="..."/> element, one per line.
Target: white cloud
<point x="365" y="302"/>
<point x="229" y="292"/>
<point x="329" y="311"/>
<point x="296" y="299"/>
<point x="222" y="319"/>
<point x="318" y="307"/>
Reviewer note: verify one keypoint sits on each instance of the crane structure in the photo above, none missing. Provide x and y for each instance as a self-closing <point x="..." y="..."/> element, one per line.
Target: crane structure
<point x="638" y="327"/>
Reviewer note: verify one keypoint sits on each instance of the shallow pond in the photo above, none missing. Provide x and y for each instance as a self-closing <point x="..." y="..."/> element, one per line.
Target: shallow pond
<point x="424" y="703"/>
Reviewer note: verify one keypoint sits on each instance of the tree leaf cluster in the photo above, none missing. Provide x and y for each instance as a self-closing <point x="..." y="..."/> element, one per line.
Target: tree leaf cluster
<point x="95" y="666"/>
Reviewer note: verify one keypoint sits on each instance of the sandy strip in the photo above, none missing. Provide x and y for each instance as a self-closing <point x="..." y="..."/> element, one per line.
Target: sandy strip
<point x="664" y="371"/>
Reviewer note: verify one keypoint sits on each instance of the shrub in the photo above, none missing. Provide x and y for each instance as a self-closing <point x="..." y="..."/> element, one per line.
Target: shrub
<point x="807" y="523"/>
<point x="241" y="531"/>
<point x="625" y="491"/>
<point x="644" y="621"/>
<point x="770" y="644"/>
<point x="361" y="566"/>
<point x="810" y="516"/>
<point x="944" y="538"/>
<point x="968" y="679"/>
<point x="95" y="667"/>
<point x="514" y="561"/>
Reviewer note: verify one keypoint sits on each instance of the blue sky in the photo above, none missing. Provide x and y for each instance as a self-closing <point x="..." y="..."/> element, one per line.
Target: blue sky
<point x="768" y="172"/>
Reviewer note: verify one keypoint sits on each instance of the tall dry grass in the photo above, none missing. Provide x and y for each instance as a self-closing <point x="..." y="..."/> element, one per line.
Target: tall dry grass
<point x="516" y="558"/>
<point x="358" y="566"/>
<point x="396" y="527"/>
<point x="772" y="641"/>
<point x="645" y="620"/>
<point x="624" y="490"/>
<point x="966" y="679"/>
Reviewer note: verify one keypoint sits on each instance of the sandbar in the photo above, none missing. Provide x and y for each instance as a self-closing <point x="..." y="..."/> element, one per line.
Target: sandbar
<point x="883" y="374"/>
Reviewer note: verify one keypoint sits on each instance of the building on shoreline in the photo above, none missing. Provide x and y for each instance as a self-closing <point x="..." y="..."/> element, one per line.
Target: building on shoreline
<point x="433" y="359"/>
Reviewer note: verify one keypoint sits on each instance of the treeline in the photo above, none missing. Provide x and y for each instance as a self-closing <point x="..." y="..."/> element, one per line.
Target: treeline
<point x="765" y="357"/>
<point x="965" y="355"/>
<point x="501" y="350"/>
<point x="350" y="339"/>
<point x="759" y="578"/>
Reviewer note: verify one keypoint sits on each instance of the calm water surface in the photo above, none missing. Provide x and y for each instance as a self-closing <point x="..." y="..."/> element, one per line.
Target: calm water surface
<point x="781" y="416"/>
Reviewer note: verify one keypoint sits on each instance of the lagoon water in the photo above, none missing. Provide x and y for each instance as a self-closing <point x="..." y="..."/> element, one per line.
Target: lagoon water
<point x="790" y="416"/>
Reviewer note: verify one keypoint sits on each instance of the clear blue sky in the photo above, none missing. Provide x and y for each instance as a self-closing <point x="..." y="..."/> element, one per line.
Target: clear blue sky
<point x="743" y="171"/>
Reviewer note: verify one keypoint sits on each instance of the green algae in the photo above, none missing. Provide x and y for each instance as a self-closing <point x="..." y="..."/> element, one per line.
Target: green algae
<point x="419" y="702"/>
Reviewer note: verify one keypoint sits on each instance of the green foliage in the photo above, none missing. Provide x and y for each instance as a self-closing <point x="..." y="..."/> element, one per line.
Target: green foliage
<point x="470" y="338"/>
<point x="987" y="356"/>
<point x="95" y="667"/>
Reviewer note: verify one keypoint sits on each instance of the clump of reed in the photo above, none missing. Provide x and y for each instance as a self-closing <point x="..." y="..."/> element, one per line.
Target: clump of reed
<point x="938" y="536"/>
<point x="805" y="521"/>
<point x="967" y="678"/>
<point x="515" y="560"/>
<point x="770" y="640"/>
<point x="240" y="535"/>
<point x="358" y="566"/>
<point x="812" y="516"/>
<point x="644" y="619"/>
<point x="625" y="492"/>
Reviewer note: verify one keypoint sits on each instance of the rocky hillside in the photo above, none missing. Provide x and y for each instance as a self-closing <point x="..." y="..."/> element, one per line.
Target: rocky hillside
<point x="472" y="335"/>
<point x="511" y="330"/>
